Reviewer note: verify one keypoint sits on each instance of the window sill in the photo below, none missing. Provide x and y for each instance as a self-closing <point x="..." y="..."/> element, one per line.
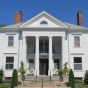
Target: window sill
<point x="8" y="69"/>
<point x="77" y="47"/>
<point x="78" y="71"/>
<point x="10" y="47"/>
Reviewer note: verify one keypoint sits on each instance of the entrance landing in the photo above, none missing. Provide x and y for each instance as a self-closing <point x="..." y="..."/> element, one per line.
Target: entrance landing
<point x="39" y="85"/>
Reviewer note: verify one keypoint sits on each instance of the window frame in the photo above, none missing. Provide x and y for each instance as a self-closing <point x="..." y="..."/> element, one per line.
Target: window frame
<point x="7" y="63"/>
<point x="10" y="40"/>
<point x="78" y="63"/>
<point x="77" y="42"/>
<point x="43" y="22"/>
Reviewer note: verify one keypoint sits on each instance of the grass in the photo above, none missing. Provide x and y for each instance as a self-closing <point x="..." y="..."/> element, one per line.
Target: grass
<point x="81" y="85"/>
<point x="5" y="85"/>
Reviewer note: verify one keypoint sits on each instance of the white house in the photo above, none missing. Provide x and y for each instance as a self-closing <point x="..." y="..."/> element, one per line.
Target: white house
<point x="44" y="43"/>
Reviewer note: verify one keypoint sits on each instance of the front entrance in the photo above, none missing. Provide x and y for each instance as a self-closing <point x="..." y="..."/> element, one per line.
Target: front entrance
<point x="43" y="66"/>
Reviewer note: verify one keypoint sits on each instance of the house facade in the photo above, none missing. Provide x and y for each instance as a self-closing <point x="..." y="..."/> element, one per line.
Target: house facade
<point x="44" y="44"/>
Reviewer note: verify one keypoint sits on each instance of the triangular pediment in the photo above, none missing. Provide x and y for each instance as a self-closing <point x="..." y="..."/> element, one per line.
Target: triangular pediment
<point x="43" y="20"/>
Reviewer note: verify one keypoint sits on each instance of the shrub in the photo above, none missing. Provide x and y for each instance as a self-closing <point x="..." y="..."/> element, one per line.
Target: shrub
<point x="14" y="80"/>
<point x="86" y="77"/>
<point x="1" y="75"/>
<point x="67" y="84"/>
<point x="71" y="79"/>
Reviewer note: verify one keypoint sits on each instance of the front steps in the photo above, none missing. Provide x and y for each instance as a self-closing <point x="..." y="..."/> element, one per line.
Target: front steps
<point x="36" y="82"/>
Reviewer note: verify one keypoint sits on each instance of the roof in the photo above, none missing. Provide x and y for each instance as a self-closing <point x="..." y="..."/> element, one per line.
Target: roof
<point x="71" y="26"/>
<point x="13" y="26"/>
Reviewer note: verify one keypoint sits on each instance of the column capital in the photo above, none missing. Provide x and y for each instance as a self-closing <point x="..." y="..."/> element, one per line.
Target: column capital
<point x="37" y="36"/>
<point x="23" y="36"/>
<point x="63" y="36"/>
<point x="50" y="36"/>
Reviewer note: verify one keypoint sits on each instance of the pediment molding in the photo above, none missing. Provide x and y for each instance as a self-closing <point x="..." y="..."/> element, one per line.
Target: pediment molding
<point x="43" y="16"/>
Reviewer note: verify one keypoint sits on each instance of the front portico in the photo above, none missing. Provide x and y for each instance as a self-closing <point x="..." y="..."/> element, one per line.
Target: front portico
<point x="43" y="39"/>
<point x="45" y="51"/>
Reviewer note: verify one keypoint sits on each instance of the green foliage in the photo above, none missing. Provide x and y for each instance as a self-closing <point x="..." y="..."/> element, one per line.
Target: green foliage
<point x="71" y="79"/>
<point x="21" y="70"/>
<point x="86" y="77"/>
<point x="5" y="85"/>
<point x="60" y="74"/>
<point x="67" y="84"/>
<point x="2" y="25"/>
<point x="14" y="81"/>
<point x="65" y="68"/>
<point x="1" y="75"/>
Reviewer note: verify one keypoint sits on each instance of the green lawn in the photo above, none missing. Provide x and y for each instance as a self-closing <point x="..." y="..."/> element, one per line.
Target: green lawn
<point x="4" y="85"/>
<point x="81" y="85"/>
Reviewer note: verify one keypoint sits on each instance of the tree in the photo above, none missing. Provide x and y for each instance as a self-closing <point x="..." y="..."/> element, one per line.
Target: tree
<point x="14" y="80"/>
<point x="2" y="25"/>
<point x="1" y="75"/>
<point x="86" y="77"/>
<point x="71" y="79"/>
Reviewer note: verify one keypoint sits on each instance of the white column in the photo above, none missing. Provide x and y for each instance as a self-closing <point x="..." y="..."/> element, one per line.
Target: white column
<point x="63" y="51"/>
<point x="50" y="55"/>
<point x="37" y="56"/>
<point x="24" y="59"/>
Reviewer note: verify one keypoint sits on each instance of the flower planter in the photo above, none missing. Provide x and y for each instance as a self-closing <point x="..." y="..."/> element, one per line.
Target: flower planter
<point x="23" y="79"/>
<point x="61" y="79"/>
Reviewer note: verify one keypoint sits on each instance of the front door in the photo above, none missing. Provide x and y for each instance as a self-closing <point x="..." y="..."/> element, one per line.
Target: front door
<point x="43" y="66"/>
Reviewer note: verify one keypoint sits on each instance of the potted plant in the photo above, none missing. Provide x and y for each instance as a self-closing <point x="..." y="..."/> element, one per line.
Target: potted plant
<point x="21" y="70"/>
<point x="65" y="69"/>
<point x="61" y="76"/>
<point x="23" y="78"/>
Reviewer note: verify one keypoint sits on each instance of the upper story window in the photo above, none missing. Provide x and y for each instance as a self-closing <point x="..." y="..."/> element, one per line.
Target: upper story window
<point x="77" y="63"/>
<point x="10" y="40"/>
<point x="43" y="22"/>
<point x="76" y="41"/>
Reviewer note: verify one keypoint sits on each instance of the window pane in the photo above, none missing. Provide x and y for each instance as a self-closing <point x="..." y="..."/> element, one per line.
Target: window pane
<point x="56" y="64"/>
<point x="43" y="22"/>
<point x="31" y="65"/>
<point x="9" y="59"/>
<point x="77" y="66"/>
<point x="10" y="43"/>
<point x="77" y="60"/>
<point x="76" y="41"/>
<point x="9" y="66"/>
<point x="10" y="37"/>
<point x="76" y="38"/>
<point x="31" y="61"/>
<point x="10" y="40"/>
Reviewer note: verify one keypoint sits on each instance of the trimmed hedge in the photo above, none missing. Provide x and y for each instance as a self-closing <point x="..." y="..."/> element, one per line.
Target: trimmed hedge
<point x="71" y="79"/>
<point x="14" y="80"/>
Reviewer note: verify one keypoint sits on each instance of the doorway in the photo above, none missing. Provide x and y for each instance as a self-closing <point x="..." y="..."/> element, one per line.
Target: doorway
<point x="43" y="66"/>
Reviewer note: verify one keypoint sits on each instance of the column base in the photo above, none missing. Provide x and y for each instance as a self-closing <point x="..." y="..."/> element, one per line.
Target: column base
<point x="36" y="72"/>
<point x="50" y="72"/>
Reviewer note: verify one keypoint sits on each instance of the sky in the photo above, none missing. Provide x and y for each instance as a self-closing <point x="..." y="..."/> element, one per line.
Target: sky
<point x="64" y="10"/>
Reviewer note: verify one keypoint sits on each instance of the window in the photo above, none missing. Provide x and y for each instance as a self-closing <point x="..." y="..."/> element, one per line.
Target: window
<point x="9" y="62"/>
<point x="76" y="41"/>
<point x="31" y="63"/>
<point x="10" y="40"/>
<point x="56" y="63"/>
<point x="43" y="22"/>
<point x="77" y="63"/>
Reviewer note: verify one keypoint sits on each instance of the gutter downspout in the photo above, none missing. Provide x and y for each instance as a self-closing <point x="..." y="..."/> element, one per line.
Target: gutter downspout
<point x="68" y="51"/>
<point x="18" y="46"/>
